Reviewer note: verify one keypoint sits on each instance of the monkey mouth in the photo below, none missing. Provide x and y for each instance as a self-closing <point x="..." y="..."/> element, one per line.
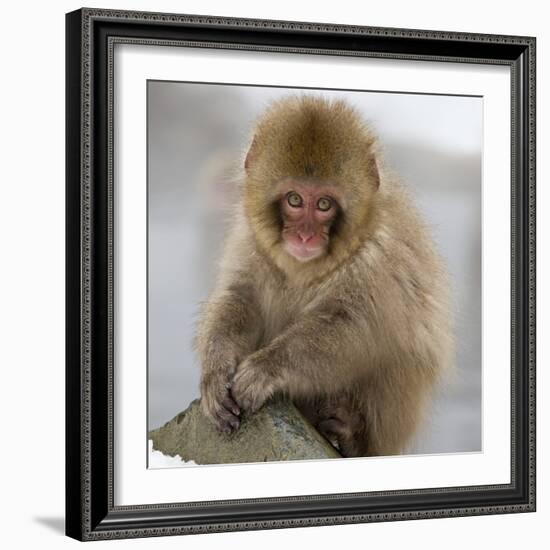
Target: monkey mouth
<point x="302" y="252"/>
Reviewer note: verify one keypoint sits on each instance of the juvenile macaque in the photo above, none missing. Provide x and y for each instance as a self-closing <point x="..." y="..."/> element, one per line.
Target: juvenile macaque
<point x="330" y="290"/>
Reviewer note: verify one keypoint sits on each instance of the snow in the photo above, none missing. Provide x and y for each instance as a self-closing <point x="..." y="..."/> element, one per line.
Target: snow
<point x="160" y="460"/>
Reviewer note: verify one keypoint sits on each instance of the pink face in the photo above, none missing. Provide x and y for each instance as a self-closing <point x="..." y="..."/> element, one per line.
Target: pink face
<point x="308" y="212"/>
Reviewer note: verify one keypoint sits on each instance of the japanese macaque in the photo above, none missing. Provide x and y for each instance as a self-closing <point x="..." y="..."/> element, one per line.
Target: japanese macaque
<point x="330" y="291"/>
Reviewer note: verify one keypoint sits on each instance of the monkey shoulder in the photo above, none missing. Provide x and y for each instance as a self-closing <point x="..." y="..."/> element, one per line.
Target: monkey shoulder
<point x="398" y="265"/>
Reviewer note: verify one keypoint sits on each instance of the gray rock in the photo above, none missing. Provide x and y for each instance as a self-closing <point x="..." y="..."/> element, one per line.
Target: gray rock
<point x="278" y="431"/>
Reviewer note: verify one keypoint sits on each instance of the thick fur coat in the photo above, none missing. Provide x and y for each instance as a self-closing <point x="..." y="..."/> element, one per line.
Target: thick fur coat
<point x="358" y="337"/>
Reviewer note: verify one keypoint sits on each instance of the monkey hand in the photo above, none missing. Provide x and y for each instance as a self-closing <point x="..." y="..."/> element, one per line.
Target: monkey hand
<point x="217" y="402"/>
<point x="254" y="382"/>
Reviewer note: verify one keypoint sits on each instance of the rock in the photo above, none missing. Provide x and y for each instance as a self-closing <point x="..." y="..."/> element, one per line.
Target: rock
<point x="278" y="431"/>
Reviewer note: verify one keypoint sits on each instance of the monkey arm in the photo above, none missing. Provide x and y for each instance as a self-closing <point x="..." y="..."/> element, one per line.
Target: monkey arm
<point x="228" y="331"/>
<point x="319" y="352"/>
<point x="229" y="323"/>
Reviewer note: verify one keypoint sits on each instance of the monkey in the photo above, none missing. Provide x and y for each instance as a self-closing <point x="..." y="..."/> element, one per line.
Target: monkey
<point x="330" y="291"/>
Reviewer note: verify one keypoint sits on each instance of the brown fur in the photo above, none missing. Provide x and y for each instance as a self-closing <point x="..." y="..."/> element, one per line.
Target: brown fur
<point x="357" y="337"/>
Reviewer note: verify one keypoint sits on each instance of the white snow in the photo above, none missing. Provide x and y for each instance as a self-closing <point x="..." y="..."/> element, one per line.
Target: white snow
<point x="160" y="460"/>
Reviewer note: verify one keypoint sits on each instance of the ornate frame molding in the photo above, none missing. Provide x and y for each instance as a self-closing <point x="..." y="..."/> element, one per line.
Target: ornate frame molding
<point x="91" y="35"/>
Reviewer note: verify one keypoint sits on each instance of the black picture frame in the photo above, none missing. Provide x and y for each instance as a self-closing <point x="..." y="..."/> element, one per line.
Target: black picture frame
<point x="90" y="512"/>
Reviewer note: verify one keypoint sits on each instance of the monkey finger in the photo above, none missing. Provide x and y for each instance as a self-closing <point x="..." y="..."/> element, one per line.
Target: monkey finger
<point x="229" y="403"/>
<point x="223" y="426"/>
<point x="243" y="403"/>
<point x="250" y="395"/>
<point x="243" y="399"/>
<point x="238" y="396"/>
<point x="227" y="421"/>
<point x="242" y="389"/>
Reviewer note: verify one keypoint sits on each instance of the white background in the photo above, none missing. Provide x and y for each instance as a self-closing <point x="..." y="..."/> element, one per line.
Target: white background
<point x="32" y="289"/>
<point x="134" y="484"/>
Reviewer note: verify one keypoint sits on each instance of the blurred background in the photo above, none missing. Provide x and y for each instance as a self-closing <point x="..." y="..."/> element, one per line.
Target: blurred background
<point x="196" y="135"/>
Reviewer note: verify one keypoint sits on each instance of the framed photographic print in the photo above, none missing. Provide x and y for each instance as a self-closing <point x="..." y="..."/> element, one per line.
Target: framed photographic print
<point x="300" y="274"/>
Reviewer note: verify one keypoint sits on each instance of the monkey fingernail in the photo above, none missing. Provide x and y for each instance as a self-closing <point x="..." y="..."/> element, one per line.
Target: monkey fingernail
<point x="226" y="428"/>
<point x="230" y="405"/>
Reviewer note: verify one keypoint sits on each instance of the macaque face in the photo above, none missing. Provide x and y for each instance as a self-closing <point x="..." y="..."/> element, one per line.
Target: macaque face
<point x="308" y="212"/>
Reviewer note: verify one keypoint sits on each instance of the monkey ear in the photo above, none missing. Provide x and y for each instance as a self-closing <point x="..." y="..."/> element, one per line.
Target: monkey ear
<point x="251" y="155"/>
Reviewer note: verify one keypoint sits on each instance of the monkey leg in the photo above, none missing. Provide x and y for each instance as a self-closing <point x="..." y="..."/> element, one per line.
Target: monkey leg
<point x="341" y="436"/>
<point x="341" y="424"/>
<point x="379" y="417"/>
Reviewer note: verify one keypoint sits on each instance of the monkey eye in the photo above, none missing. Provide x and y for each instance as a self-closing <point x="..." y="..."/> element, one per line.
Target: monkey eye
<point x="294" y="199"/>
<point x="324" y="204"/>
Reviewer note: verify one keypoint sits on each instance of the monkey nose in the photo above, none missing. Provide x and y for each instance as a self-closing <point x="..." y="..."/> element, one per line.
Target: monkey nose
<point x="305" y="236"/>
